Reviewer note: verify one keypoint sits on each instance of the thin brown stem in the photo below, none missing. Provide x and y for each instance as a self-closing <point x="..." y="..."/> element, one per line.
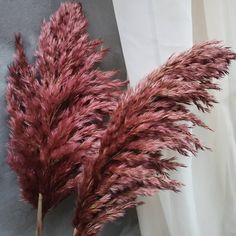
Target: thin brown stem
<point x="39" y="224"/>
<point x="74" y="232"/>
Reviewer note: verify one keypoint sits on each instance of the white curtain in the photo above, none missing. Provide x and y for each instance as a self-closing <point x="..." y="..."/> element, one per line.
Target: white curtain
<point x="150" y="32"/>
<point x="215" y="173"/>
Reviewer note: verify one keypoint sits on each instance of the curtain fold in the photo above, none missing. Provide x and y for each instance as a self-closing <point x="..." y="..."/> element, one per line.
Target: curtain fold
<point x="217" y="188"/>
<point x="150" y="32"/>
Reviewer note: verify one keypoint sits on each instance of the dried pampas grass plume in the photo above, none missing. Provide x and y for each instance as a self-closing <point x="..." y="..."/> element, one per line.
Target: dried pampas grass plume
<point x="58" y="107"/>
<point x="153" y="117"/>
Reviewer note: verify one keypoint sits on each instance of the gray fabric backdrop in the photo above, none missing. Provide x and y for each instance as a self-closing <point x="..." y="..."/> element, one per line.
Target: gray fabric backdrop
<point x="25" y="16"/>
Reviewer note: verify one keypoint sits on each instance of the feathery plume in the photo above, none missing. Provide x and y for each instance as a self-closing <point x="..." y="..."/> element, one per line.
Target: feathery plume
<point x="58" y="107"/>
<point x="152" y="118"/>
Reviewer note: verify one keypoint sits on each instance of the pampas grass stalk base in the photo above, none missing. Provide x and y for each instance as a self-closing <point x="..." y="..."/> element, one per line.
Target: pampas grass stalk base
<point x="75" y="232"/>
<point x="39" y="223"/>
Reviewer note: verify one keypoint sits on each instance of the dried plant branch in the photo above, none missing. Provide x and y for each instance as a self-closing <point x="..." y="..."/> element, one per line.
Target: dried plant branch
<point x="58" y="107"/>
<point x="39" y="223"/>
<point x="74" y="232"/>
<point x="153" y="117"/>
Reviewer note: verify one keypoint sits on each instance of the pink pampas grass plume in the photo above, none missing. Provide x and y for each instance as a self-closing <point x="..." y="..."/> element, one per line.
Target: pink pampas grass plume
<point x="58" y="107"/>
<point x="152" y="118"/>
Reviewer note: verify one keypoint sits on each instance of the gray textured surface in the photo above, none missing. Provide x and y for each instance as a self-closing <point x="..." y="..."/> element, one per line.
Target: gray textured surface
<point x="25" y="16"/>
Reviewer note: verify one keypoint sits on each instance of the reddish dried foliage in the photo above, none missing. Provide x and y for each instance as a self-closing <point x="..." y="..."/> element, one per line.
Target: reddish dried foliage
<point x="153" y="117"/>
<point x="58" y="107"/>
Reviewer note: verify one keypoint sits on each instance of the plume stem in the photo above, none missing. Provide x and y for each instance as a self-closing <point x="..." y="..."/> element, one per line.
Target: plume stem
<point x="39" y="224"/>
<point x="74" y="232"/>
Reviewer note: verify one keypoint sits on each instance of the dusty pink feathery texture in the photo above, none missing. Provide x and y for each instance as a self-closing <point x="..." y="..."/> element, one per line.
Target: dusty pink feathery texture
<point x="153" y="117"/>
<point x="58" y="107"/>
